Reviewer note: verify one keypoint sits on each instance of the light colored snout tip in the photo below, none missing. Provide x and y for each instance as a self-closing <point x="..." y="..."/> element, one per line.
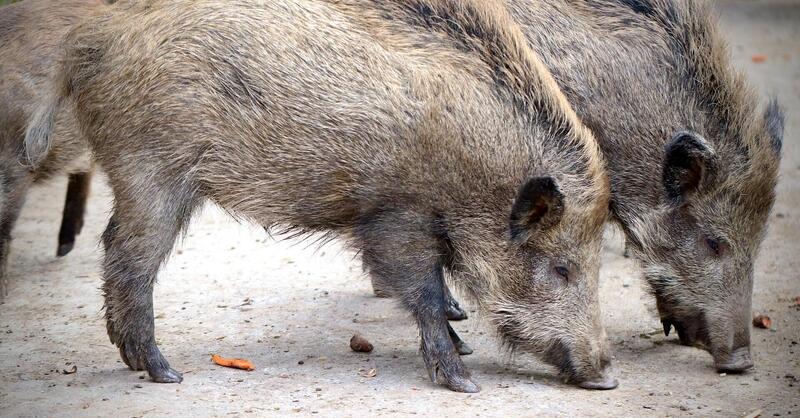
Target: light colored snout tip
<point x="738" y="362"/>
<point x="606" y="383"/>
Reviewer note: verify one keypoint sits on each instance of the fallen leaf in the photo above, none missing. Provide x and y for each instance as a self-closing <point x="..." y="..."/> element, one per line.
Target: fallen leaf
<point x="758" y="59"/>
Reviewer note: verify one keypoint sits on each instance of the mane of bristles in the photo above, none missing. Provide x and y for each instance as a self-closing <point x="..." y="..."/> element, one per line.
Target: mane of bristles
<point x="700" y="52"/>
<point x="702" y="56"/>
<point x="485" y="28"/>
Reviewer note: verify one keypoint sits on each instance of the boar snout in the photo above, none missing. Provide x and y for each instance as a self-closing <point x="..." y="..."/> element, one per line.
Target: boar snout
<point x="605" y="383"/>
<point x="587" y="367"/>
<point x="730" y="347"/>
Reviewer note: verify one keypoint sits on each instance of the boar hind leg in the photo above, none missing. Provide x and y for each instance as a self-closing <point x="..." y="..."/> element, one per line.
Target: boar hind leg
<point x="74" y="208"/>
<point x="139" y="237"/>
<point x="404" y="255"/>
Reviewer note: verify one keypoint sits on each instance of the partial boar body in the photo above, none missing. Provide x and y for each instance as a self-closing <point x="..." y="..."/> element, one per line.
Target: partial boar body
<point x="424" y="131"/>
<point x="30" y="33"/>
<point x="693" y="161"/>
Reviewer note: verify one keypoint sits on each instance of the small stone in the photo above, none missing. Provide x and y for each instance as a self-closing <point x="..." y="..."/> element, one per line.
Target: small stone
<point x="360" y="344"/>
<point x="762" y="321"/>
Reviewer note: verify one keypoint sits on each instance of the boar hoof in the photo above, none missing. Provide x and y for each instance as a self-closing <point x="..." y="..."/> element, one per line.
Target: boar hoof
<point x="150" y="359"/>
<point x="165" y="375"/>
<point x="463" y="348"/>
<point x="454" y="312"/>
<point x="461" y="384"/>
<point x="450" y="372"/>
<point x="64" y="248"/>
<point x="605" y="383"/>
<point x="453" y="381"/>
<point x="738" y="362"/>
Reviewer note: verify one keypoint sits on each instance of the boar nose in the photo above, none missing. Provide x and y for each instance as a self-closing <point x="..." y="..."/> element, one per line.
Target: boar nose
<point x="606" y="382"/>
<point x="737" y="362"/>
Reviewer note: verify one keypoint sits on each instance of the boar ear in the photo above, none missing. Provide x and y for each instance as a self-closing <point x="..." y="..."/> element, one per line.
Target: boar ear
<point x="690" y="163"/>
<point x="538" y="206"/>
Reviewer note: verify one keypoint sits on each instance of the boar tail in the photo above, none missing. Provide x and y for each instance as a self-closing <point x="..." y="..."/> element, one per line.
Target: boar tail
<point x="38" y="135"/>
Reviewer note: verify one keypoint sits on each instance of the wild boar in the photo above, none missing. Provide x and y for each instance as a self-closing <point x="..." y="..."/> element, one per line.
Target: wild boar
<point x="692" y="159"/>
<point x="425" y="132"/>
<point x="30" y="33"/>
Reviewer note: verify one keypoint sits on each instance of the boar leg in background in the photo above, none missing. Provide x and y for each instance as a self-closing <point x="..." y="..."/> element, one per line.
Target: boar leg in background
<point x="139" y="237"/>
<point x="463" y="348"/>
<point x="453" y="310"/>
<point x="74" y="208"/>
<point x="14" y="188"/>
<point x="403" y="253"/>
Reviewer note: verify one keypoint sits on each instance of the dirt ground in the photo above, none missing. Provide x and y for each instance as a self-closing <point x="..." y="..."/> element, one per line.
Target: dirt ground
<point x="292" y="309"/>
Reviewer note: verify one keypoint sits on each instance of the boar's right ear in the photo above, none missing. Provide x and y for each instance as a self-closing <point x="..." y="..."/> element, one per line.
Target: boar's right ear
<point x="689" y="164"/>
<point x="538" y="206"/>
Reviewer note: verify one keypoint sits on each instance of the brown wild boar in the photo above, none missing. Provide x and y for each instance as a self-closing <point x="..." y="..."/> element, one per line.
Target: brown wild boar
<point x="425" y="132"/>
<point x="692" y="159"/>
<point x="30" y="33"/>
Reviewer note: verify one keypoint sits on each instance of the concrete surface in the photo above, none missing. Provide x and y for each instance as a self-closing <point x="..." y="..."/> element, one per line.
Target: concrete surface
<point x="292" y="309"/>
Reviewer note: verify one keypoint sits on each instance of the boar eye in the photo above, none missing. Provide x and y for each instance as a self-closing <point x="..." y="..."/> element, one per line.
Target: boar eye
<point x="715" y="246"/>
<point x="563" y="272"/>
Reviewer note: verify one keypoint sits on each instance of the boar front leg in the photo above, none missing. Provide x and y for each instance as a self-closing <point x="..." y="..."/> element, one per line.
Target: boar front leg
<point x="403" y="254"/>
<point x="74" y="209"/>
<point x="139" y="237"/>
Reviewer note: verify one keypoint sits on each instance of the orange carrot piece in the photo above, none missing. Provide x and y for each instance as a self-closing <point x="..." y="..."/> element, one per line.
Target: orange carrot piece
<point x="235" y="363"/>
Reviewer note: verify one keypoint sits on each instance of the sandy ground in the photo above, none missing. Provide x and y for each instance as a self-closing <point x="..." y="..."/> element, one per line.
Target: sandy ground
<point x="292" y="309"/>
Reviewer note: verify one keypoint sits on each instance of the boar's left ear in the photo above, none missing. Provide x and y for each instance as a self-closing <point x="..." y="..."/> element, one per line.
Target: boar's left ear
<point x="539" y="205"/>
<point x="689" y="164"/>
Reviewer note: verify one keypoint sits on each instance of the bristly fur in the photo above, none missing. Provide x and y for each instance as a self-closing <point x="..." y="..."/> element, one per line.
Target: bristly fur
<point x="406" y="126"/>
<point x="30" y="36"/>
<point x="637" y="72"/>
